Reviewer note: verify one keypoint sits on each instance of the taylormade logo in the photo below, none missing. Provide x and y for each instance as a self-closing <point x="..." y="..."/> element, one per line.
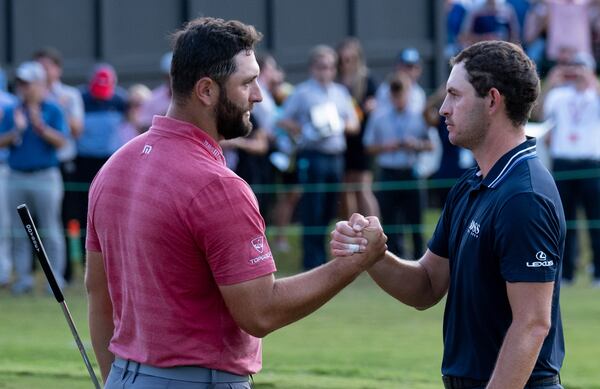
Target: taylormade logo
<point x="541" y="260"/>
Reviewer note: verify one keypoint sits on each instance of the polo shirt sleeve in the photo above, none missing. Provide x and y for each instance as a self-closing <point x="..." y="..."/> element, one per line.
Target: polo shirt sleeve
<point x="232" y="232"/>
<point x="438" y="244"/>
<point x="92" y="243"/>
<point x="527" y="239"/>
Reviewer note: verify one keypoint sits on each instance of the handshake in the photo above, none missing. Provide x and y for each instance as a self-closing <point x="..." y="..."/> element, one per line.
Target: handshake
<point x="360" y="236"/>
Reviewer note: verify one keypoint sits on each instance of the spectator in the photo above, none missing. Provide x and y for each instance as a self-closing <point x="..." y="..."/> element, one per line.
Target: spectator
<point x="574" y="109"/>
<point x="137" y="95"/>
<point x="456" y="11"/>
<point x="270" y="77"/>
<point x="34" y="129"/>
<point x="396" y="135"/>
<point x="159" y="102"/>
<point x="6" y="101"/>
<point x="557" y="24"/>
<point x="105" y="107"/>
<point x="354" y="75"/>
<point x="492" y="20"/>
<point x="319" y="112"/>
<point x="69" y="99"/>
<point x="273" y="90"/>
<point x="408" y="62"/>
<point x="455" y="160"/>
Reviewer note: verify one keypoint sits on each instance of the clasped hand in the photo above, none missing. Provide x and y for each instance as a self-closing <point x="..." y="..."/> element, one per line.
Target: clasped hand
<point x="360" y="234"/>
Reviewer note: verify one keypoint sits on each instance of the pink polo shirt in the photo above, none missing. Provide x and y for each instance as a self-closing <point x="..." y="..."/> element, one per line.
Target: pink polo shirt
<point x="173" y="223"/>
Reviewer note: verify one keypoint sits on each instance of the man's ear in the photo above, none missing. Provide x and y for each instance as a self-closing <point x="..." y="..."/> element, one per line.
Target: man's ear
<point x="495" y="100"/>
<point x="207" y="91"/>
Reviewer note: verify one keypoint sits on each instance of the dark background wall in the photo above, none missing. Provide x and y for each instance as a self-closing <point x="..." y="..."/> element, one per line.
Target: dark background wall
<point x="133" y="34"/>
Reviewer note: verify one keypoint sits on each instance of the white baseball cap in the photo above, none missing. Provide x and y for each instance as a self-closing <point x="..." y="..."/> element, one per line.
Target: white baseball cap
<point x="31" y="71"/>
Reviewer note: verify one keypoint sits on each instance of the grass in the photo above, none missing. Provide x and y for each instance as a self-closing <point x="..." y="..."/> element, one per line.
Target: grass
<point x="361" y="339"/>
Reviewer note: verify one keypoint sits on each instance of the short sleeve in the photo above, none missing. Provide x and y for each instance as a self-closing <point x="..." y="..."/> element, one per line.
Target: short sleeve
<point x="438" y="244"/>
<point x="231" y="231"/>
<point x="92" y="243"/>
<point x="528" y="239"/>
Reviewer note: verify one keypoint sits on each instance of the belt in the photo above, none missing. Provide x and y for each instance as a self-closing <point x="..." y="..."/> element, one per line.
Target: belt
<point x="468" y="383"/>
<point x="196" y="374"/>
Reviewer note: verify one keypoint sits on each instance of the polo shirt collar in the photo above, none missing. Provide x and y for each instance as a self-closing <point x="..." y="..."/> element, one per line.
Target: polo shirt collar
<point x="507" y="163"/>
<point x="170" y="127"/>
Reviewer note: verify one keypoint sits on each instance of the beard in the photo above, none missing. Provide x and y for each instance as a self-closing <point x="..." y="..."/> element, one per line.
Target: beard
<point x="473" y="131"/>
<point x="231" y="119"/>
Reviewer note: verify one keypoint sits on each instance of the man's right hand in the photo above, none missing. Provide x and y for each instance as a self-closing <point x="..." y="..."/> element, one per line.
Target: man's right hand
<point x="359" y="235"/>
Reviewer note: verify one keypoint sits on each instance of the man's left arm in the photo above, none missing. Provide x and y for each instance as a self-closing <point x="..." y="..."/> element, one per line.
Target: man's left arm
<point x="100" y="311"/>
<point x="536" y="220"/>
<point x="531" y="306"/>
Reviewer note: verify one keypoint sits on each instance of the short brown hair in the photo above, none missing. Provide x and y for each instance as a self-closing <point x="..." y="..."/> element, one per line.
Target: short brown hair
<point x="49" y="52"/>
<point x="205" y="47"/>
<point x="506" y="67"/>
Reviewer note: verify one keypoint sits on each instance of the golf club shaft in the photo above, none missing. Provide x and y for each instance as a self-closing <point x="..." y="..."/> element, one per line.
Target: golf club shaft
<point x="86" y="360"/>
<point x="36" y="242"/>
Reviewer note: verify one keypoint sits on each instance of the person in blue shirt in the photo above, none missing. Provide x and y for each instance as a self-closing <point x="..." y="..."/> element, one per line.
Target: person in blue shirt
<point x="34" y="129"/>
<point x="498" y="246"/>
<point x="6" y="101"/>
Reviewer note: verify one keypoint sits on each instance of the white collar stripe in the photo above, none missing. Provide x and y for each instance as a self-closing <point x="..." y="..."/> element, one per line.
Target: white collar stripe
<point x="528" y="152"/>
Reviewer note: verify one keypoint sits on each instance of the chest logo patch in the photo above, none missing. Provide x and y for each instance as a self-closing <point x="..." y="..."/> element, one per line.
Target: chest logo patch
<point x="147" y="149"/>
<point x="542" y="260"/>
<point x="258" y="244"/>
<point x="474" y="229"/>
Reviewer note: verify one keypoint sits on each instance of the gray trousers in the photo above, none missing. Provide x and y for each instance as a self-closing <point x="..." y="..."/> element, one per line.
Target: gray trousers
<point x="42" y="191"/>
<point x="5" y="235"/>
<point x="135" y="375"/>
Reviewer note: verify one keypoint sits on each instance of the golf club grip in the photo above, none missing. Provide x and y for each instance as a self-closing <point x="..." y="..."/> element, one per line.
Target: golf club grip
<point x="34" y="238"/>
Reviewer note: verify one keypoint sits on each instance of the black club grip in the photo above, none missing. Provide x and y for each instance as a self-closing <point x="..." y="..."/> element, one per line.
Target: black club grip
<point x="38" y="247"/>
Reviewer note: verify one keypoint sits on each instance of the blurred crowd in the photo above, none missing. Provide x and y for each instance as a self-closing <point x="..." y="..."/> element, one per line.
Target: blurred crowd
<point x="339" y="142"/>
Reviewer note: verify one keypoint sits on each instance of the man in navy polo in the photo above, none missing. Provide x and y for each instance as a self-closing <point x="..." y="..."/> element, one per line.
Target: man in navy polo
<point x="498" y="246"/>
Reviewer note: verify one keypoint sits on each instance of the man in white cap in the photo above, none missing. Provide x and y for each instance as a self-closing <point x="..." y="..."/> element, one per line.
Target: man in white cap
<point x="33" y="130"/>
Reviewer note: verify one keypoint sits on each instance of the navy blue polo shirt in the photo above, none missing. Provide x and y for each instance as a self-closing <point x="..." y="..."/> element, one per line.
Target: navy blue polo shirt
<point x="506" y="227"/>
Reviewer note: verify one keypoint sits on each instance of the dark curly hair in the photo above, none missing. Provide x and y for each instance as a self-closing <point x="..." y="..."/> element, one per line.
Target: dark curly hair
<point x="205" y="47"/>
<point x="506" y="67"/>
